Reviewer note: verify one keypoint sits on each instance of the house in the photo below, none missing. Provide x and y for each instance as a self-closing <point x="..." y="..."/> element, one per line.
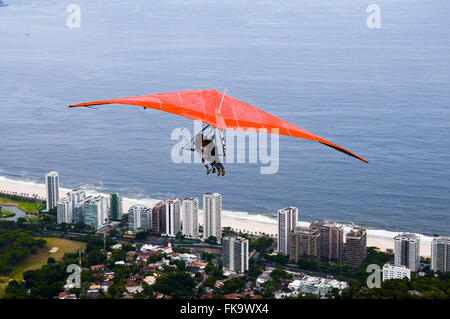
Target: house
<point x="95" y="287"/>
<point x="265" y="276"/>
<point x="168" y="249"/>
<point x="148" y="268"/>
<point x="134" y="289"/>
<point x="143" y="255"/>
<point x="131" y="286"/>
<point x="92" y="293"/>
<point x="197" y="265"/>
<point x="415" y="292"/>
<point x="162" y="262"/>
<point x="219" y="284"/>
<point x="106" y="284"/>
<point x="97" y="267"/>
<point x="188" y="258"/>
<point x="109" y="275"/>
<point x="228" y="273"/>
<point x="150" y="280"/>
<point x="173" y="256"/>
<point x="294" y="285"/>
<point x="66" y="295"/>
<point x="148" y="247"/>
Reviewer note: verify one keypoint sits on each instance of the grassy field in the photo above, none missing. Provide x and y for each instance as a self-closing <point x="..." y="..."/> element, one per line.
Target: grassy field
<point x="6" y="213"/>
<point x="39" y="259"/>
<point x="29" y="207"/>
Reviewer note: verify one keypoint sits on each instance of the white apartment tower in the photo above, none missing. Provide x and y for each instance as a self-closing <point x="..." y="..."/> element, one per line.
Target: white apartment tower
<point x="77" y="196"/>
<point x="64" y="211"/>
<point x="173" y="223"/>
<point x="407" y="251"/>
<point x="440" y="254"/>
<point x="139" y="218"/>
<point x="52" y="187"/>
<point x="235" y="254"/>
<point x="190" y="217"/>
<point x="212" y="216"/>
<point x="287" y="222"/>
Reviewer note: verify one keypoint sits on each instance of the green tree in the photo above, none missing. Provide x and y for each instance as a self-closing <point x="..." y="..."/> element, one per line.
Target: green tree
<point x="211" y="240"/>
<point x="179" y="285"/>
<point x="179" y="235"/>
<point x="233" y="285"/>
<point x="141" y="235"/>
<point x="278" y="274"/>
<point x="207" y="256"/>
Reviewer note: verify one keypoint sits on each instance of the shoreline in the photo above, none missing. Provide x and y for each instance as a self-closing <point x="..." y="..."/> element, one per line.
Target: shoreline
<point x="243" y="221"/>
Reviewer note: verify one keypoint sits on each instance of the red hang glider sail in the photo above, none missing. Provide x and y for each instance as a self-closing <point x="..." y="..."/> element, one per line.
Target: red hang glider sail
<point x="219" y="110"/>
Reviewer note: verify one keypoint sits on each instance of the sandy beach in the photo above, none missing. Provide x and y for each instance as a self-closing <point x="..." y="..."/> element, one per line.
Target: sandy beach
<point x="240" y="221"/>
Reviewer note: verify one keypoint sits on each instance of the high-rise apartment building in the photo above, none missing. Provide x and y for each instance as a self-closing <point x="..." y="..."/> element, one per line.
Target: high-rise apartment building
<point x="95" y="211"/>
<point x="190" y="217"/>
<point x="235" y="254"/>
<point x="159" y="218"/>
<point x="440" y="254"/>
<point x="78" y="211"/>
<point x="355" y="247"/>
<point x="173" y="223"/>
<point x="77" y="196"/>
<point x="331" y="243"/>
<point x="52" y="188"/>
<point x="407" y="251"/>
<point x="212" y="216"/>
<point x="116" y="206"/>
<point x="304" y="244"/>
<point x="139" y="218"/>
<point x="64" y="211"/>
<point x="287" y="223"/>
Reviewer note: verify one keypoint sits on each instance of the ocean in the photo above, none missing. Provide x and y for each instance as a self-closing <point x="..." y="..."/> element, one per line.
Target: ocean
<point x="381" y="93"/>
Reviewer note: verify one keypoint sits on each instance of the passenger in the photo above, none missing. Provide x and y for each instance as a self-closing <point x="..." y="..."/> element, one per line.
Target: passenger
<point x="207" y="150"/>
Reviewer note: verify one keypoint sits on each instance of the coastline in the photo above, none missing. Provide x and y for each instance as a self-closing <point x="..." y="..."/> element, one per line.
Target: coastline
<point x="243" y="221"/>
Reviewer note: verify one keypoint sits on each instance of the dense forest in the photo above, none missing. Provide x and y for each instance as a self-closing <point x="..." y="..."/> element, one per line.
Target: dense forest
<point x="15" y="245"/>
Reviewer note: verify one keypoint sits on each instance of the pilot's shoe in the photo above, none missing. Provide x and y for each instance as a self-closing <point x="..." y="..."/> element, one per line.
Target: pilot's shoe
<point x="219" y="171"/>
<point x="223" y="171"/>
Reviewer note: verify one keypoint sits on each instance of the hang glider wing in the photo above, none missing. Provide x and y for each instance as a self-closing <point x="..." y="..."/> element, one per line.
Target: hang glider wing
<point x="219" y="110"/>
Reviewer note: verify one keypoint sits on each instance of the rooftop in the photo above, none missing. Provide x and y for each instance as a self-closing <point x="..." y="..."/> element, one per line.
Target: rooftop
<point x="407" y="236"/>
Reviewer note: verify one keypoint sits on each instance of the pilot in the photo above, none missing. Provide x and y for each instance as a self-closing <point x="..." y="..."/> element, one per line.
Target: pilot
<point x="208" y="153"/>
